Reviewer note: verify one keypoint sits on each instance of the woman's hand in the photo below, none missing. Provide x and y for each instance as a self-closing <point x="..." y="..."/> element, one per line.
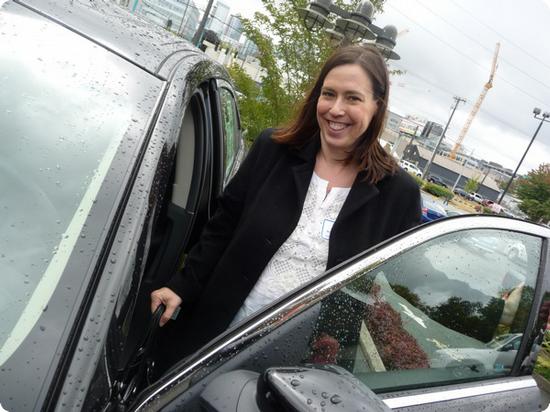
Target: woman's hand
<point x="167" y="297"/>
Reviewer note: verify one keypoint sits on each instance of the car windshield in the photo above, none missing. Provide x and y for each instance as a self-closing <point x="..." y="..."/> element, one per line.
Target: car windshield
<point x="67" y="108"/>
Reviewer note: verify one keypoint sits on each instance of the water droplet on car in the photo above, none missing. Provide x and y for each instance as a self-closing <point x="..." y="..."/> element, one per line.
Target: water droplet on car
<point x="336" y="399"/>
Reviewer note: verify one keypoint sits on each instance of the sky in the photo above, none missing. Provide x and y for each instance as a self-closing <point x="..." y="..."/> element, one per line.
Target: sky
<point x="446" y="49"/>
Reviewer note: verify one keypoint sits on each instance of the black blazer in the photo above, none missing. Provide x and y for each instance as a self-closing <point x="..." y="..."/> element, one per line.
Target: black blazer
<point x="257" y="212"/>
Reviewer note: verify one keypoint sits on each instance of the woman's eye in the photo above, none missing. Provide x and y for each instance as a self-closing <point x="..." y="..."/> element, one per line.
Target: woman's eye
<point x="327" y="94"/>
<point x="354" y="98"/>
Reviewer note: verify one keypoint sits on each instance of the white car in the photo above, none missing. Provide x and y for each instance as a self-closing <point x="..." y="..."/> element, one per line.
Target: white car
<point x="410" y="167"/>
<point x="498" y="354"/>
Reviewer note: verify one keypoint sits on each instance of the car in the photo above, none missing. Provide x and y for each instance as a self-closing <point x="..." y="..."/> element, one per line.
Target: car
<point x="460" y="192"/>
<point x="497" y="354"/>
<point x="495" y="207"/>
<point x="121" y="137"/>
<point x="476" y="197"/>
<point x="414" y="322"/>
<point x="437" y="180"/>
<point x="410" y="167"/>
<point x="431" y="210"/>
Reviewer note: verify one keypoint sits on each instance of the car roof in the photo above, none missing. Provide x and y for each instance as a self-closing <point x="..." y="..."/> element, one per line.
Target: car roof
<point x="148" y="46"/>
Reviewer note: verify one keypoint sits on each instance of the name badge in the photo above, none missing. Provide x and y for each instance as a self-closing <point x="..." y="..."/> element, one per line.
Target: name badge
<point x="327" y="227"/>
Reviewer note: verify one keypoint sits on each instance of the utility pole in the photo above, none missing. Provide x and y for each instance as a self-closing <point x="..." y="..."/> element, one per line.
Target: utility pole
<point x="198" y="34"/>
<point x="427" y="168"/>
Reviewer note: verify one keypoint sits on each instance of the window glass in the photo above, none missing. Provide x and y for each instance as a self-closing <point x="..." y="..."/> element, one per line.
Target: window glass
<point x="69" y="112"/>
<point x="230" y="129"/>
<point x="454" y="308"/>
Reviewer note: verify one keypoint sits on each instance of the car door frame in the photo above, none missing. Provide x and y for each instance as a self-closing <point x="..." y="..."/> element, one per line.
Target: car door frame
<point x="181" y="377"/>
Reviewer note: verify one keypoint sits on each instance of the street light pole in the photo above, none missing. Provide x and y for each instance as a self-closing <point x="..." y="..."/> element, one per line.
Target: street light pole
<point x="198" y="34"/>
<point x="428" y="165"/>
<point x="543" y="118"/>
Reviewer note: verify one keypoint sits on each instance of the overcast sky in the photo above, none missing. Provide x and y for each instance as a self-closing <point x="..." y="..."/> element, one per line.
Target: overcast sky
<point x="446" y="49"/>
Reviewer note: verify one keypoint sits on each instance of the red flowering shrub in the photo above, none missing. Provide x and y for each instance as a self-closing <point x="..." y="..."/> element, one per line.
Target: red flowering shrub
<point x="397" y="348"/>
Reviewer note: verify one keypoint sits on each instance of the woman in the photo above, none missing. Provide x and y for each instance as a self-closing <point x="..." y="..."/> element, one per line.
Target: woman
<point x="308" y="197"/>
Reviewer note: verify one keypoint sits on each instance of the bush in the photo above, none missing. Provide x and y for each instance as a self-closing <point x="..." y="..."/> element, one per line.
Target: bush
<point x="438" y="191"/>
<point x="486" y="210"/>
<point x="418" y="180"/>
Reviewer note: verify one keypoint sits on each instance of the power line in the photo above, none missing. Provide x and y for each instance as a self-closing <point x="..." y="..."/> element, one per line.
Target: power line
<point x="484" y="111"/>
<point x="481" y="45"/>
<point x="499" y="34"/>
<point x="466" y="56"/>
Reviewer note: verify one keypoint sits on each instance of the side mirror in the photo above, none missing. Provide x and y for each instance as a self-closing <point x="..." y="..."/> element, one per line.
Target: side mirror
<point x="291" y="389"/>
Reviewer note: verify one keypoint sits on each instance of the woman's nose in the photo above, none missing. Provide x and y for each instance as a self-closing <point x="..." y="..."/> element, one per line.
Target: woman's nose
<point x="337" y="107"/>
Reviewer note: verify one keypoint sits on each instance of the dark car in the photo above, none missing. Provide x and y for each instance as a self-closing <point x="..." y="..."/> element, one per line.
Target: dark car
<point x="117" y="137"/>
<point x="437" y="180"/>
<point x="431" y="210"/>
<point x="410" y="320"/>
<point x="120" y="138"/>
<point x="460" y="192"/>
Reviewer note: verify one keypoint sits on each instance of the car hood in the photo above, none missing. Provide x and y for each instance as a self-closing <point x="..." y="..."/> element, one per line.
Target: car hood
<point x="114" y="28"/>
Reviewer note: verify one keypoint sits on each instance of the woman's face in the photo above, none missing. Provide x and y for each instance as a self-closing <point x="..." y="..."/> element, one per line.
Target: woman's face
<point x="345" y="108"/>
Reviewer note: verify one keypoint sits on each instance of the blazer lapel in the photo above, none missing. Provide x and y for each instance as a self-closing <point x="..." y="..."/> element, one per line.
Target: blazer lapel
<point x="304" y="169"/>
<point x="360" y="193"/>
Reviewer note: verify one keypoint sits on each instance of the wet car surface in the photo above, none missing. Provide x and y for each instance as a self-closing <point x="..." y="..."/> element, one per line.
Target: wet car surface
<point x="119" y="144"/>
<point x="120" y="138"/>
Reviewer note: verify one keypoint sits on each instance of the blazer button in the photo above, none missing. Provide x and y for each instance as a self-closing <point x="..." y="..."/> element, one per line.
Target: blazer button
<point x="268" y="241"/>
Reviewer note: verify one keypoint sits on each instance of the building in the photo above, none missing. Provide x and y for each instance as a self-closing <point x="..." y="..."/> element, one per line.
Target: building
<point x="393" y="121"/>
<point x="180" y="16"/>
<point x="248" y="49"/>
<point x="431" y="133"/>
<point x="233" y="28"/>
<point x="218" y="17"/>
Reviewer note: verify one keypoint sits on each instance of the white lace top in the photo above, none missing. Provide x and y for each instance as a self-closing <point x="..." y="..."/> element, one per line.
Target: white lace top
<point x="304" y="254"/>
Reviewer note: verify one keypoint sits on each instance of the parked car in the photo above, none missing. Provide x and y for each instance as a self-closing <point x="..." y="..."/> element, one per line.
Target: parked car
<point x="437" y="180"/>
<point x="460" y="192"/>
<point x="498" y="354"/>
<point x="410" y="167"/>
<point x="379" y="323"/>
<point x="120" y="138"/>
<point x="495" y="207"/>
<point x="431" y="210"/>
<point x="476" y="197"/>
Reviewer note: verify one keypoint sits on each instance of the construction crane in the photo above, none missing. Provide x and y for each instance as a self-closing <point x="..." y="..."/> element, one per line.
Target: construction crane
<point x="476" y="107"/>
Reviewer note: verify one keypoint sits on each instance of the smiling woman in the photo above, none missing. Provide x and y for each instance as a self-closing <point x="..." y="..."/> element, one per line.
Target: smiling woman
<point x="303" y="192"/>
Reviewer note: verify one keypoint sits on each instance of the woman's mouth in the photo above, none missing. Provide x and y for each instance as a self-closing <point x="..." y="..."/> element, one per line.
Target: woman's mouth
<point x="336" y="126"/>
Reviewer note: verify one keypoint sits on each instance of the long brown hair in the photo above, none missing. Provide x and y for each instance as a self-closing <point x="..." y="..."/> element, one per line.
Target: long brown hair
<point x="367" y="151"/>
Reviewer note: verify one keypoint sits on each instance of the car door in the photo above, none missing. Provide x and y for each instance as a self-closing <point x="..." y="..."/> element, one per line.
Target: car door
<point x="412" y="319"/>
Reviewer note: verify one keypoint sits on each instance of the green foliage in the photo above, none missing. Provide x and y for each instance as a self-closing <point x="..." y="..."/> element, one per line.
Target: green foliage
<point x="419" y="181"/>
<point x="291" y="56"/>
<point x="471" y="185"/>
<point x="534" y="193"/>
<point x="438" y="190"/>
<point x="486" y="210"/>
<point x="253" y="115"/>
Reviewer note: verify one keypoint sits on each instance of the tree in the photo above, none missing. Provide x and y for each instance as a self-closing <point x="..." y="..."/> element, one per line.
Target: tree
<point x="534" y="193"/>
<point x="291" y="56"/>
<point x="471" y="185"/>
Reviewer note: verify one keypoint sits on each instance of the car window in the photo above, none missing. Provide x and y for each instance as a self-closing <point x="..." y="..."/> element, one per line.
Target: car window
<point x="71" y="113"/>
<point x="230" y="129"/>
<point x="452" y="309"/>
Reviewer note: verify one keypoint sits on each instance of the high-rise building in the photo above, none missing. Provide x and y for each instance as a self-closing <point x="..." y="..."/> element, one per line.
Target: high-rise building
<point x="181" y="16"/>
<point x="234" y="28"/>
<point x="431" y="133"/>
<point x="218" y="17"/>
<point x="249" y="49"/>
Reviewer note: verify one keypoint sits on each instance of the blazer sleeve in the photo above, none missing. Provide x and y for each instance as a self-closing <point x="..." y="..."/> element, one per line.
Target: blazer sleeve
<point x="218" y="232"/>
